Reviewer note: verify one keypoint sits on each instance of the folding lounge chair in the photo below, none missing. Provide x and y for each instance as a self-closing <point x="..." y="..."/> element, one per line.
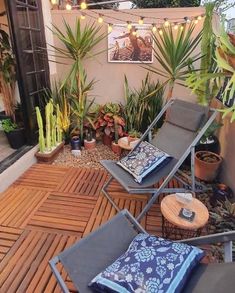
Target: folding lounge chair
<point x="183" y="128"/>
<point x="91" y="255"/>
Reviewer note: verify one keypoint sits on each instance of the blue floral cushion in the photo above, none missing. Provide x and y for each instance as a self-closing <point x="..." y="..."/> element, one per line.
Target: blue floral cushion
<point x="143" y="160"/>
<point x="151" y="264"/>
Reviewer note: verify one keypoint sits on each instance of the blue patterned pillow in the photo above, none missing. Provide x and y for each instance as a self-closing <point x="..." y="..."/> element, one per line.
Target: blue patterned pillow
<point x="143" y="160"/>
<point x="151" y="264"/>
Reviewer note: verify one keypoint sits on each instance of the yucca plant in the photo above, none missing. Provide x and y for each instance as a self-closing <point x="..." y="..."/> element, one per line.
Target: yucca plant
<point x="78" y="45"/>
<point x="174" y="52"/>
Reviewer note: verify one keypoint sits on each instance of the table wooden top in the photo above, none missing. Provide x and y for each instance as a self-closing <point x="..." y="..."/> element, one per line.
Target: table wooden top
<point x="170" y="209"/>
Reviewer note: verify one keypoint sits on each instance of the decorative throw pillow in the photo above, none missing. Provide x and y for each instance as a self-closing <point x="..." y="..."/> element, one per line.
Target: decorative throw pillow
<point x="152" y="265"/>
<point x="143" y="160"/>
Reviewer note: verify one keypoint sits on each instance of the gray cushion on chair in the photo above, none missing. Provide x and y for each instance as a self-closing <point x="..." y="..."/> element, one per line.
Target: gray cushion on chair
<point x="84" y="260"/>
<point x="212" y="278"/>
<point x="190" y="120"/>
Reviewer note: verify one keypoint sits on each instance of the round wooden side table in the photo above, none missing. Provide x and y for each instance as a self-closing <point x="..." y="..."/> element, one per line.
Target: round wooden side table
<point x="174" y="226"/>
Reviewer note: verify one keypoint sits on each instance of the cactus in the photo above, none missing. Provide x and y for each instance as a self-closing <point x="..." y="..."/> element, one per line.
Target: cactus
<point x="48" y="126"/>
<point x="58" y="124"/>
<point x="41" y="138"/>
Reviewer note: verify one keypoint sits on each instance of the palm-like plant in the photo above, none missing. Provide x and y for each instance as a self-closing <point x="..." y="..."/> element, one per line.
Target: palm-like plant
<point x="174" y="54"/>
<point x="79" y="44"/>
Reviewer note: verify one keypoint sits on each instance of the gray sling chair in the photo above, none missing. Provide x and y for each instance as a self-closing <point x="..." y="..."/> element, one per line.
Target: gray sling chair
<point x="92" y="254"/>
<point x="184" y="126"/>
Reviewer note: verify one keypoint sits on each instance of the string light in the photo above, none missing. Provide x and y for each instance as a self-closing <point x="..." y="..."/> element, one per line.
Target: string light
<point x="176" y="26"/>
<point x="141" y="21"/>
<point x="134" y="33"/>
<point x="53" y="2"/>
<point x="129" y="25"/>
<point x="187" y="19"/>
<point x="154" y="28"/>
<point x="199" y="17"/>
<point x="166" y="23"/>
<point x="100" y="19"/>
<point x="83" y="5"/>
<point x="160" y="32"/>
<point x="110" y="27"/>
<point x="182" y="27"/>
<point x="196" y="21"/>
<point x="68" y="6"/>
<point x="83" y="16"/>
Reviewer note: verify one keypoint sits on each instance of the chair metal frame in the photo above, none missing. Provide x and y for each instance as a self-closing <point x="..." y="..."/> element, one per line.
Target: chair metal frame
<point x="155" y="192"/>
<point x="225" y="238"/>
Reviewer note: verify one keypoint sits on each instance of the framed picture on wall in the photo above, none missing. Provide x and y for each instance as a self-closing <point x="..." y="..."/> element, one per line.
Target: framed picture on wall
<point x="130" y="46"/>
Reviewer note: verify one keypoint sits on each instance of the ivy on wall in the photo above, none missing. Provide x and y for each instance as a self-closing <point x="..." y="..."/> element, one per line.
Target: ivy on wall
<point x="165" y="3"/>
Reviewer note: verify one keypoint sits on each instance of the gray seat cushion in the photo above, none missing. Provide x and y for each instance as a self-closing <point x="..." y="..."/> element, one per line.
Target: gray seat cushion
<point x="212" y="278"/>
<point x="186" y="115"/>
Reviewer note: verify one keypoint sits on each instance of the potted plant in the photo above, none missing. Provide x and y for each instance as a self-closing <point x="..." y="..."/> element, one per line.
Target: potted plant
<point x="14" y="133"/>
<point x="207" y="165"/>
<point x="7" y="76"/>
<point x="50" y="144"/>
<point x="89" y="141"/>
<point x="105" y="122"/>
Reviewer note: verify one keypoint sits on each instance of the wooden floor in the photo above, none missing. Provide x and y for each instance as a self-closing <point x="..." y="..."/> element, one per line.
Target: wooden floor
<point x="48" y="209"/>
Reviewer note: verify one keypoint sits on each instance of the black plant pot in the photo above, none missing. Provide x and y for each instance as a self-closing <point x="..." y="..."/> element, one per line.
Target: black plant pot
<point x="3" y="116"/>
<point x="75" y="143"/>
<point x="16" y="138"/>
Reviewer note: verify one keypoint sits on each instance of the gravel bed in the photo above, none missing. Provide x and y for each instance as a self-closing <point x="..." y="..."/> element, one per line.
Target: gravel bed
<point x="87" y="159"/>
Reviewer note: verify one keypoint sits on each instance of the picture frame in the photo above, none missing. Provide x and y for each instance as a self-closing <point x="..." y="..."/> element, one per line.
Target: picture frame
<point x="133" y="45"/>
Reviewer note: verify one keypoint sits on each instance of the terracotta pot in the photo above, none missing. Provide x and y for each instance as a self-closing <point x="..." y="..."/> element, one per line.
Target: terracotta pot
<point x="116" y="148"/>
<point x="107" y="140"/>
<point x="49" y="157"/>
<point x="207" y="171"/>
<point x="89" y="145"/>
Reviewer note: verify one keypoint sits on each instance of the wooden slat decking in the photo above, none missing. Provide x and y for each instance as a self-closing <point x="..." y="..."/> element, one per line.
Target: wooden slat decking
<point x="48" y="209"/>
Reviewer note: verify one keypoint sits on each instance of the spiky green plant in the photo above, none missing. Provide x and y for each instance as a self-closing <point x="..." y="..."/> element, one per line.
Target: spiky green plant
<point x="41" y="139"/>
<point x="174" y="52"/>
<point x="78" y="45"/>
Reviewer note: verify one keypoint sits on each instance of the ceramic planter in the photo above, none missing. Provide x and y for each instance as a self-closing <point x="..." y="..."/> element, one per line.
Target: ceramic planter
<point x="107" y="140"/>
<point x="49" y="157"/>
<point x="89" y="144"/>
<point x="75" y="143"/>
<point x="207" y="165"/>
<point x="116" y="148"/>
<point x="16" y="138"/>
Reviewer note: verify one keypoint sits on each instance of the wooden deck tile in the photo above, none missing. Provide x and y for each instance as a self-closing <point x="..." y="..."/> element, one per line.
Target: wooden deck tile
<point x="27" y="269"/>
<point x="41" y="177"/>
<point x="83" y="181"/>
<point x="63" y="213"/>
<point x="17" y="206"/>
<point x="8" y="237"/>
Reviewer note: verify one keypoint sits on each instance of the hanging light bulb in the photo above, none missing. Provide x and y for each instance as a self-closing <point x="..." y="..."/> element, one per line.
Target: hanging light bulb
<point x="129" y="25"/>
<point x="134" y="33"/>
<point x="182" y="27"/>
<point x="166" y="23"/>
<point x="53" y="2"/>
<point x="176" y="26"/>
<point x="199" y="17"/>
<point x="154" y="28"/>
<point x="187" y="19"/>
<point x="83" y="16"/>
<point x="83" y="5"/>
<point x="141" y="20"/>
<point x="160" y="32"/>
<point x="110" y="27"/>
<point x="100" y="19"/>
<point x="68" y="6"/>
<point x="196" y="21"/>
